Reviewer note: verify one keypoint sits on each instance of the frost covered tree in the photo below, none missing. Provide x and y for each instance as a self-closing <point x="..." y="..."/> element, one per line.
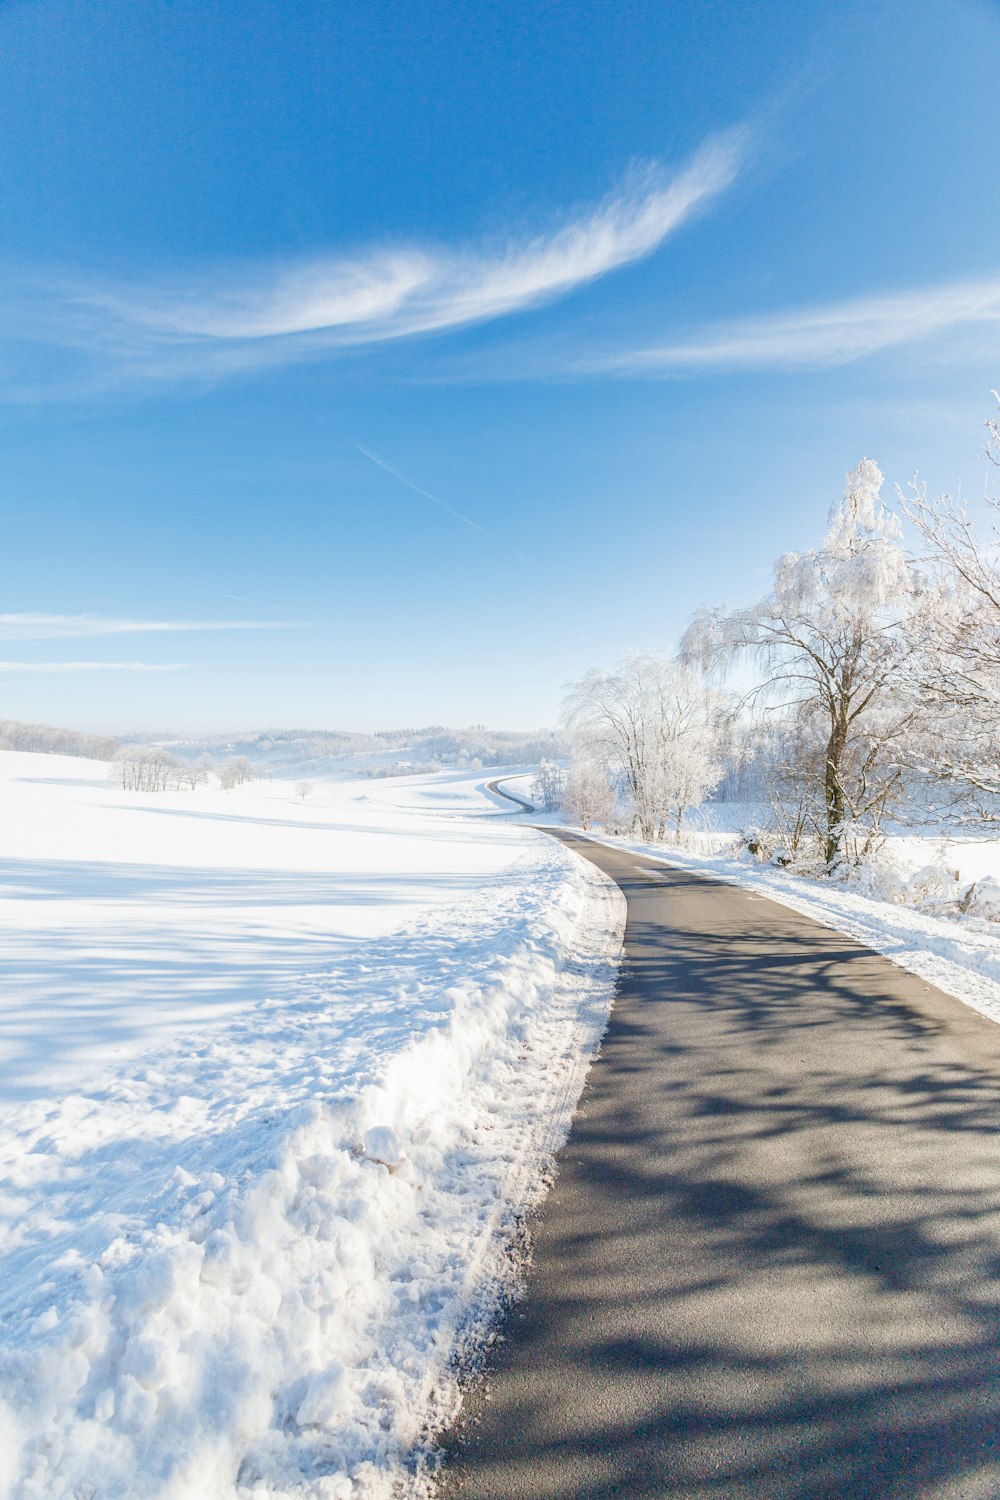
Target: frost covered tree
<point x="832" y="640"/>
<point x="651" y="721"/>
<point x="547" y="787"/>
<point x="957" y="665"/>
<point x="146" y="768"/>
<point x="588" y="795"/>
<point x="237" y="770"/>
<point x="204" y="768"/>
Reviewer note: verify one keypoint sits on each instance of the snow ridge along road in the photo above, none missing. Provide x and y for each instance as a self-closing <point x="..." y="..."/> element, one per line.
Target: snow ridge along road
<point x="770" y="1265"/>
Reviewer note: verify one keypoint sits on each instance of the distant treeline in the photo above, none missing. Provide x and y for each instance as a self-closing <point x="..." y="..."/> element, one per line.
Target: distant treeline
<point x="305" y="744"/>
<point x="47" y="740"/>
<point x="424" y="749"/>
<point x="490" y="747"/>
<point x="430" y="746"/>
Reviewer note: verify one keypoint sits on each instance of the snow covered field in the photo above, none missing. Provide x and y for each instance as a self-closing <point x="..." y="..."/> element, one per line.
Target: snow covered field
<point x="277" y="1079"/>
<point x="126" y="916"/>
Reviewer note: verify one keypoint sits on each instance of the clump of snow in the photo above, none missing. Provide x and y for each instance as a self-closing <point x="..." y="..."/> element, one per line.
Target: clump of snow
<point x="238" y="1264"/>
<point x="382" y="1145"/>
<point x="928" y="883"/>
<point x="983" y="899"/>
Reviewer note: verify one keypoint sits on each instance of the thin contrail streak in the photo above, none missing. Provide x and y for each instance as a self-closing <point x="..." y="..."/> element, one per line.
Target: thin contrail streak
<point x="435" y="500"/>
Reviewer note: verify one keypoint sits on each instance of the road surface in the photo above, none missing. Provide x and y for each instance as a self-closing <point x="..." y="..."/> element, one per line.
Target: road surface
<point x="496" y="787"/>
<point x="770" y="1264"/>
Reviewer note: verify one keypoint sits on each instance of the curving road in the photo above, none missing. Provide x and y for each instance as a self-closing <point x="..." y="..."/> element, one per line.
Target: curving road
<point x="770" y="1265"/>
<point x="496" y="788"/>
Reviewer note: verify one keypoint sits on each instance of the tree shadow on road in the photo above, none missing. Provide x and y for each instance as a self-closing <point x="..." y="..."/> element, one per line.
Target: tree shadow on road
<point x="770" y="1266"/>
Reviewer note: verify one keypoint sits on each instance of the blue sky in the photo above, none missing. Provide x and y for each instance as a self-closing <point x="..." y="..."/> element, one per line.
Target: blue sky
<point x="395" y="363"/>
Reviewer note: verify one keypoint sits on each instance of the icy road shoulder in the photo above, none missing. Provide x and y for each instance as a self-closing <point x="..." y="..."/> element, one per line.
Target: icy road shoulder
<point x="245" y="1268"/>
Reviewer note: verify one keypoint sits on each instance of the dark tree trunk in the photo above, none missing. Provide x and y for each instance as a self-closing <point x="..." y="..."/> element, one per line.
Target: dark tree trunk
<point x="834" y="788"/>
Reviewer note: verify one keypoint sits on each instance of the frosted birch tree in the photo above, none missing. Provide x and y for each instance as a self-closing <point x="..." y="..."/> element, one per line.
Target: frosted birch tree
<point x="588" y="796"/>
<point x="957" y="668"/>
<point x="831" y="639"/>
<point x="651" y="721"/>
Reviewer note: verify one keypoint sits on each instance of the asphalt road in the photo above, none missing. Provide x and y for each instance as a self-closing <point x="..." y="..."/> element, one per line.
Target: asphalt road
<point x="497" y="788"/>
<point x="770" y="1264"/>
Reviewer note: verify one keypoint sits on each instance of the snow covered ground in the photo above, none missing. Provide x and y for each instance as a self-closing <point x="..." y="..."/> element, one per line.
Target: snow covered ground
<point x="126" y="916"/>
<point x="278" y="1077"/>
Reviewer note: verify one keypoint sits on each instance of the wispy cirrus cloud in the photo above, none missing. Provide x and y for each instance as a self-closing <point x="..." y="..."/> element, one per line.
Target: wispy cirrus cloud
<point x="817" y="337"/>
<point x="228" y="321"/>
<point x="45" y="627"/>
<point x="92" y="666"/>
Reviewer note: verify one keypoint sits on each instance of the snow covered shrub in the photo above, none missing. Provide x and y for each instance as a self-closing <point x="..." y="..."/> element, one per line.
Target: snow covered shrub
<point x="982" y="899"/>
<point x="933" y="888"/>
<point x="932" y="885"/>
<point x="755" y="843"/>
<point x="881" y="876"/>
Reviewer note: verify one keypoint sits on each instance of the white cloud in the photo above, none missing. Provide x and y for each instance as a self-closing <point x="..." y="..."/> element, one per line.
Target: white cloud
<point x="92" y="666"/>
<point x="44" y="627"/>
<point x="389" y="293"/>
<point x="836" y="334"/>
